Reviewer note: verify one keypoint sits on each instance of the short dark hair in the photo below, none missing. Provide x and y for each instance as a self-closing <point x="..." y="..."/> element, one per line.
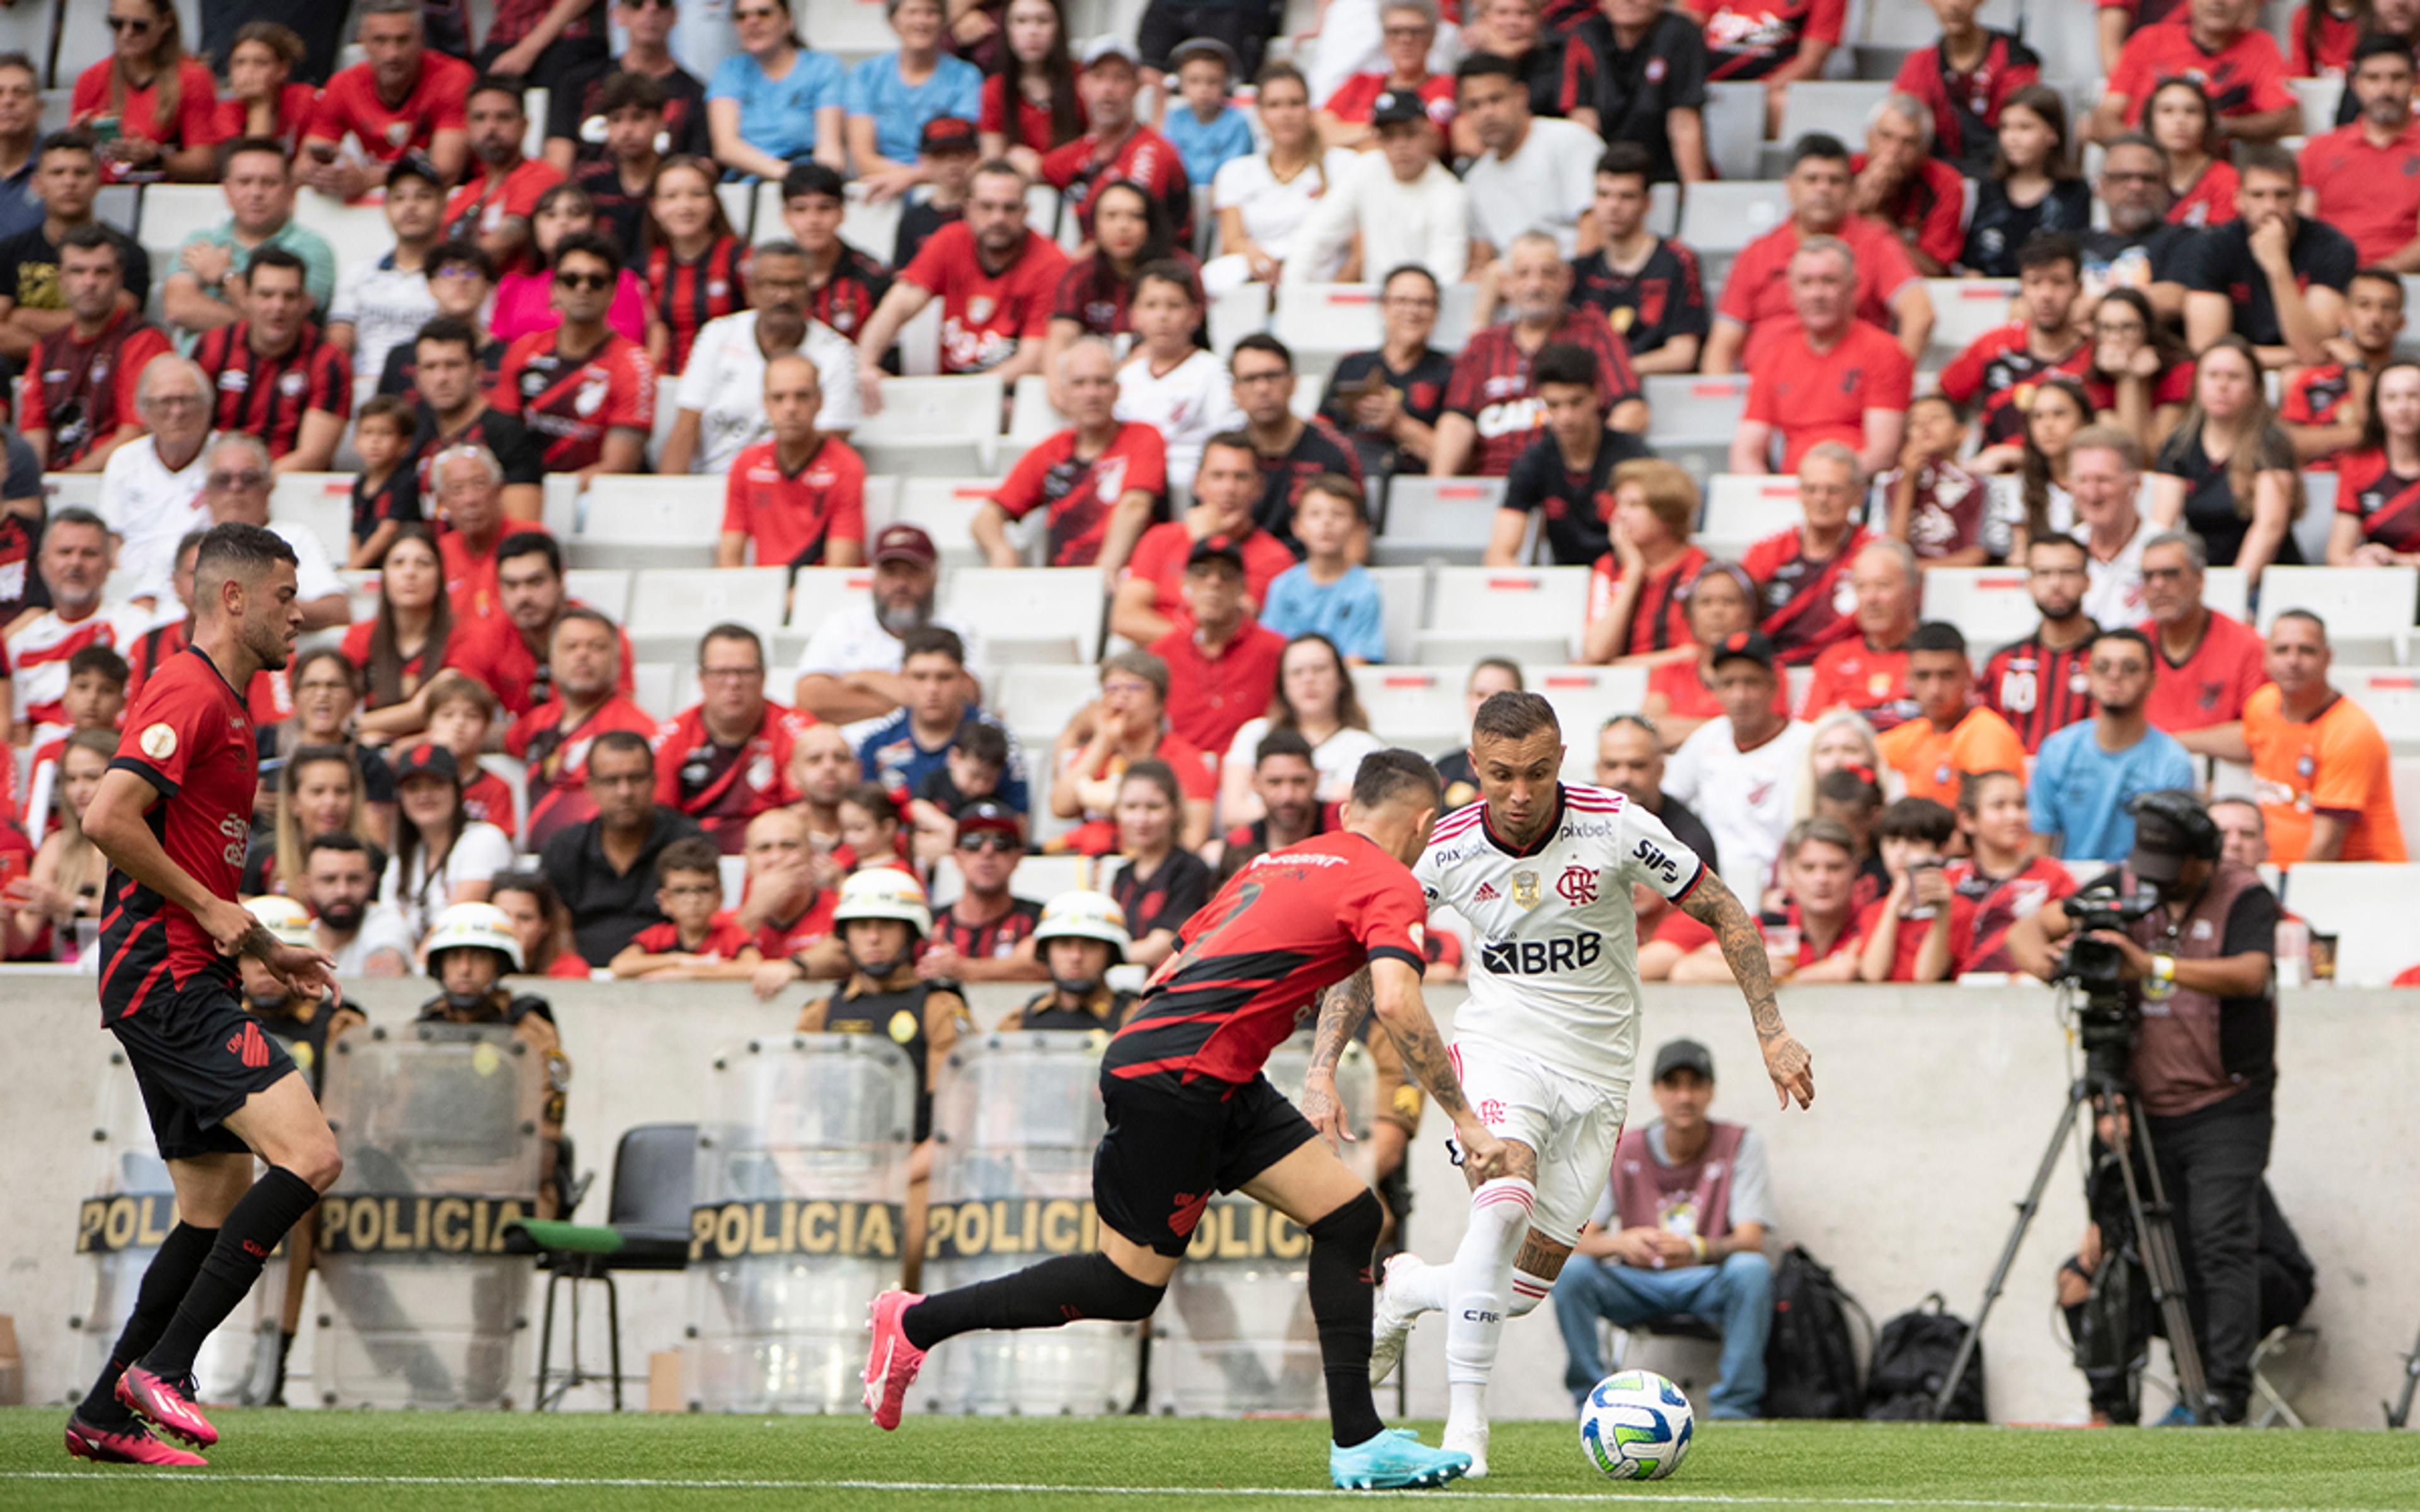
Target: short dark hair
<point x="1234" y="441"/>
<point x="2378" y="45"/>
<point x="1283" y="741"/>
<point x="244" y="147"/>
<point x="1337" y="485"/>
<point x="1387" y="775"/>
<point x="1487" y="65"/>
<point x="2317" y="623"/>
<point x="1822" y="145"/>
<point x="628" y="88"/>
<point x="1170" y="271"/>
<point x="73" y="139"/>
<point x="1821" y="831"/>
<point x="1923" y="819"/>
<point x="2128" y="633"/>
<point x="1159" y="774"/>
<point x="395" y="407"/>
<point x="1502" y="664"/>
<point x="694" y="853"/>
<point x="528" y="543"/>
<point x="2373" y="272"/>
<point x="2055" y="538"/>
<point x="1622" y="159"/>
<point x="1260" y="340"/>
<point x="1936" y="634"/>
<point x="877" y="800"/>
<point x="448" y="331"/>
<point x="1970" y="787"/>
<point x="810" y="178"/>
<point x="91" y="236"/>
<point x="459" y="252"/>
<point x="728" y="630"/>
<point x="1514" y="716"/>
<point x="270" y="254"/>
<point x="583" y="615"/>
<point x="930" y="640"/>
<point x="496" y="84"/>
<point x="337" y="839"/>
<point x="231" y="548"/>
<point x="1413" y="269"/>
<point x="98" y="658"/>
<point x="2267" y="157"/>
<point x="986" y="742"/>
<point x="622" y="740"/>
<point x="2044" y="248"/>
<point x="1562" y="361"/>
<point x="590" y="244"/>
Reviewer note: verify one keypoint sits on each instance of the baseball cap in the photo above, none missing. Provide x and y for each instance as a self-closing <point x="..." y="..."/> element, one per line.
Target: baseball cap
<point x="984" y="815"/>
<point x="948" y="134"/>
<point x="1685" y="1055"/>
<point x="2161" y="844"/>
<point x="1209" y="47"/>
<point x="428" y="759"/>
<point x="1216" y="548"/>
<point x="903" y="543"/>
<point x="413" y="165"/>
<point x="1109" y="45"/>
<point x="1396" y="106"/>
<point x="1748" y="644"/>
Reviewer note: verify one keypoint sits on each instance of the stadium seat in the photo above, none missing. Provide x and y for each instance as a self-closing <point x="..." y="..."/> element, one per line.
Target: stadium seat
<point x="606" y="590"/>
<point x="2342" y="899"/>
<point x="323" y="502"/>
<point x="671" y="607"/>
<point x="357" y="233"/>
<point x="933" y="426"/>
<point x="2227" y="590"/>
<point x="739" y="203"/>
<point x="2319" y="516"/>
<point x="172" y="212"/>
<point x="1048" y="614"/>
<point x="642" y="522"/>
<point x="1036" y="701"/>
<point x="1963" y="309"/>
<point x="919" y="342"/>
<point x="1417" y="705"/>
<point x="361" y="594"/>
<point x="1335" y="318"/>
<point x="1734" y="116"/>
<point x="815" y="591"/>
<point x="1236" y="314"/>
<point x="2368" y="610"/>
<point x="1989" y="605"/>
<point x="651" y="688"/>
<point x="1718" y="218"/>
<point x="515" y="775"/>
<point x="1747" y="506"/>
<point x="1437" y="518"/>
<point x="71" y="491"/>
<point x="1694" y="408"/>
<point x="1032" y="416"/>
<point x="1837" y="106"/>
<point x="1533" y="614"/>
<point x="945" y="507"/>
<point x="870" y="229"/>
<point x="2318" y="99"/>
<point x="1402" y="596"/>
<point x="1584" y="698"/>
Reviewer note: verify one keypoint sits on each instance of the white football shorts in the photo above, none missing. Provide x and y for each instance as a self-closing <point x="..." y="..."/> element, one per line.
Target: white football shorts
<point x="1572" y="1125"/>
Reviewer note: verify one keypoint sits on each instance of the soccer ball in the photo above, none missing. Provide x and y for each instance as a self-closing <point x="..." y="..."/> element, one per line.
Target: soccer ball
<point x="1636" y="1425"/>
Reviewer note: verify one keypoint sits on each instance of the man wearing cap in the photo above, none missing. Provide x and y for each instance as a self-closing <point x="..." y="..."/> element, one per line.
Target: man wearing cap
<point x="1222" y="664"/>
<point x="1079" y="937"/>
<point x="2088" y="772"/>
<point x="946" y="154"/>
<point x="1740" y="771"/>
<point x="1118" y="146"/>
<point x="1285" y="777"/>
<point x="996" y="278"/>
<point x="986" y="934"/>
<point x="726" y="758"/>
<point x="936" y="708"/>
<point x="889" y="96"/>
<point x="1953" y="734"/>
<point x="1398" y="204"/>
<point x="1150" y="600"/>
<point x="1680" y="1230"/>
<point x="849" y="670"/>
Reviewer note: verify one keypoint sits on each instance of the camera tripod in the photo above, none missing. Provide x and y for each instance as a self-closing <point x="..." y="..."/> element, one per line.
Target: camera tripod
<point x="2106" y="1031"/>
<point x="2400" y="1412"/>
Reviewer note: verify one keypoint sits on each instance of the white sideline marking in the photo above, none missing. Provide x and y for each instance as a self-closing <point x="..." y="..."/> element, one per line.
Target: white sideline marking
<point x="1664" y="1495"/>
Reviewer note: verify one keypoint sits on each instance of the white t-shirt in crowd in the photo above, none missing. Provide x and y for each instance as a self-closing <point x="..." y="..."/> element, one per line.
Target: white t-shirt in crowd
<point x="1187" y="405"/>
<point x="1547" y="185"/>
<point x="2113" y="594"/>
<point x="1425" y="222"/>
<point x="481" y="852"/>
<point x="383" y="929"/>
<point x="1742" y="796"/>
<point x="724" y="382"/>
<point x="1274" y="212"/>
<point x="384" y="304"/>
<point x="149" y="509"/>
<point x="1337" y="758"/>
<point x="851" y="639"/>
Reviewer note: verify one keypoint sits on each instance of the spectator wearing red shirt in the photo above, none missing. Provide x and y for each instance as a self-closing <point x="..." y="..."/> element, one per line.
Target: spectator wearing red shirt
<point x="1407" y="29"/>
<point x="263" y="98"/>
<point x="2039" y="684"/>
<point x="1492" y="409"/>
<point x="493" y="204"/>
<point x="1097" y="481"/>
<point x="1150" y="599"/>
<point x="468" y="497"/>
<point x="1119" y="146"/>
<point x="1639" y="589"/>
<point x="2208" y="665"/>
<point x="2364" y="178"/>
<point x="1832" y="378"/>
<point x="1999" y="368"/>
<point x="1756" y="308"/>
<point x="1127" y="725"/>
<point x="2326" y="408"/>
<point x="2320" y="39"/>
<point x="506" y="649"/>
<point x="402" y="97"/>
<point x="1222" y="665"/>
<point x="1867" y="674"/>
<point x="2000" y="875"/>
<point x="277" y="377"/>
<point x="1291" y="451"/>
<point x="1030" y="104"/>
<point x="800" y="498"/>
<point x="1912" y="934"/>
<point x="164" y="102"/>
<point x="2219" y="44"/>
<point x="1801" y="573"/>
<point x="554" y="739"/>
<point x="726" y="758"/>
<point x="78" y="401"/>
<point x="586" y="392"/>
<point x="1778" y="42"/>
<point x="1962" y="79"/>
<point x="1899" y="184"/>
<point x="1813" y="937"/>
<point x="996" y="279"/>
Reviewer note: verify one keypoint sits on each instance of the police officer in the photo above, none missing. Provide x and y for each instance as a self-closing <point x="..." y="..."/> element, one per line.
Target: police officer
<point x="1081" y="936"/>
<point x="2204" y="1066"/>
<point x="469" y="949"/>
<point x="882" y="918"/>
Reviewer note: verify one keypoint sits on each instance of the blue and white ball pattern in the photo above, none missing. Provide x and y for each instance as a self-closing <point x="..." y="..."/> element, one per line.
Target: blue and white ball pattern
<point x="1636" y="1425"/>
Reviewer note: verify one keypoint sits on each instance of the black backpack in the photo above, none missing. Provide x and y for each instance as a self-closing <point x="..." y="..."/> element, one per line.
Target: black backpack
<point x="1810" y="1358"/>
<point x="1912" y="1358"/>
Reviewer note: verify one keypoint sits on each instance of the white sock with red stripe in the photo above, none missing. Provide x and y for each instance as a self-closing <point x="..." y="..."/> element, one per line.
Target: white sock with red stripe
<point x="1482" y="1282"/>
<point x="1527" y="1291"/>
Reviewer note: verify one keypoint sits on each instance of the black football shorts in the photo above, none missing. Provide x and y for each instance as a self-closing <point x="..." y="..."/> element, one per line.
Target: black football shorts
<point x="197" y="1055"/>
<point x="1170" y="1149"/>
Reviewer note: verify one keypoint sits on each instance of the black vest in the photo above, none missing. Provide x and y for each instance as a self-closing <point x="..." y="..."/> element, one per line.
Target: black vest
<point x="898" y="1016"/>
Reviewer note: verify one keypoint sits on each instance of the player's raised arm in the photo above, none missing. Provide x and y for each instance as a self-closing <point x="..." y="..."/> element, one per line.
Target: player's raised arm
<point x="1786" y="1060"/>
<point x="1395" y="997"/>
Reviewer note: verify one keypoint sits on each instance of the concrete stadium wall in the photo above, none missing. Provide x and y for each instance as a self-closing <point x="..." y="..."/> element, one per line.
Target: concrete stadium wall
<point x="1933" y="1104"/>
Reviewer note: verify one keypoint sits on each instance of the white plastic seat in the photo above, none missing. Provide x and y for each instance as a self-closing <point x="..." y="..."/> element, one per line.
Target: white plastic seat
<point x="357" y="233"/>
<point x="1443" y="517"/>
<point x="2362" y="607"/>
<point x="1694" y="408"/>
<point x="1334" y="318"/>
<point x="1050" y="614"/>
<point x="1402" y="596"/>
<point x="1532" y="608"/>
<point x="320" y="501"/>
<point x="2389" y="695"/>
<point x="172" y="212"/>
<point x="945" y="508"/>
<point x="1419" y="705"/>
<point x="929" y="426"/>
<point x="1036" y="701"/>
<point x="606" y="590"/>
<point x="671" y="607"/>
<point x="1725" y="217"/>
<point x="1837" y="106"/>
<point x="646" y="521"/>
<point x="1584" y="698"/>
<point x="2358" y="902"/>
<point x="1032" y="417"/>
<point x="1734" y="116"/>
<point x="815" y="591"/>
<point x="2318" y="99"/>
<point x="71" y="490"/>
<point x="1750" y="507"/>
<point x="1965" y="308"/>
<point x="651" y="689"/>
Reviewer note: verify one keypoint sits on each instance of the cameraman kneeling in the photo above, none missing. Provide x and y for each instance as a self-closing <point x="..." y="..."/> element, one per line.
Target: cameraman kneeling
<point x="2197" y="968"/>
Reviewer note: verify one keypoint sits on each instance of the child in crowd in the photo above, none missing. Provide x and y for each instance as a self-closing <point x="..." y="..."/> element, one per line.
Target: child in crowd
<point x="1852" y="798"/>
<point x="871" y="826"/>
<point x="1170" y="382"/>
<point x="632" y="106"/>
<point x="1999" y="875"/>
<point x="970" y="772"/>
<point x="1936" y="506"/>
<point x="461" y="712"/>
<point x="2033" y="186"/>
<point x="700" y="940"/>
<point x="1912" y="934"/>
<point x="1327" y="592"/>
<point x="1208" y="133"/>
<point x="947" y="154"/>
<point x="386" y="493"/>
<point x="95" y="699"/>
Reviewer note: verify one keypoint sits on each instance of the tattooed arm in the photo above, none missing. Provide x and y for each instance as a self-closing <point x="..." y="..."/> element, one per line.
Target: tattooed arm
<point x="1395" y="997"/>
<point x="1341" y="1010"/>
<point x="1786" y="1060"/>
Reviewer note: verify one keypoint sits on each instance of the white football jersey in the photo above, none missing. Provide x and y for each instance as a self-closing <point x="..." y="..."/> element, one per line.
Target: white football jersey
<point x="1554" y="955"/>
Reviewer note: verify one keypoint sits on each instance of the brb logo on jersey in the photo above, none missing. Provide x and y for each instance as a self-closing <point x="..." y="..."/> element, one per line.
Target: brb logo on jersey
<point x="1538" y="958"/>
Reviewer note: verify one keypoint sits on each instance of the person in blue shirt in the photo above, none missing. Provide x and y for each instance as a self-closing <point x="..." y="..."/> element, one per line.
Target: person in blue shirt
<point x="773" y="102"/>
<point x="889" y="98"/>
<point x="933" y="719"/>
<point x="2086" y="773"/>
<point x="1326" y="594"/>
<point x="1208" y="132"/>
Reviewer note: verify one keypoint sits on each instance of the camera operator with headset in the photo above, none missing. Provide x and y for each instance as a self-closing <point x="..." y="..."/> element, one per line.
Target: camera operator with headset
<point x="2192" y="971"/>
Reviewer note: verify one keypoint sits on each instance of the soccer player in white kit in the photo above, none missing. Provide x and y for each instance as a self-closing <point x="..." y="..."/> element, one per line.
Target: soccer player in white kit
<point x="1547" y="1040"/>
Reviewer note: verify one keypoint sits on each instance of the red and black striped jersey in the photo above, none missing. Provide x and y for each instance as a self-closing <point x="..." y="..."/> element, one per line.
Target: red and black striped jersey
<point x="1491" y="384"/>
<point x="994" y="940"/>
<point x="80" y="391"/>
<point x="1251" y="964"/>
<point x="572" y="403"/>
<point x="2039" y="689"/>
<point x="2000" y="902"/>
<point x="268" y="396"/>
<point x="2387" y="503"/>
<point x="845" y="300"/>
<point x="686" y="295"/>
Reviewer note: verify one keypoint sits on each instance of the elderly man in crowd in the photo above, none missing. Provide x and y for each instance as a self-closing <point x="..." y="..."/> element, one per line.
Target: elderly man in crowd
<point x="1798" y="571"/>
<point x="151" y="488"/>
<point x="2210" y="664"/>
<point x="73" y="563"/>
<point x="558" y="738"/>
<point x="1868" y="672"/>
<point x="1829" y="377"/>
<point x="849" y="670"/>
<point x="2106" y="478"/>
<point x="2140" y="248"/>
<point x="468" y="489"/>
<point x="1096" y="483"/>
<point x="1899" y="182"/>
<point x="1492" y="409"/>
<point x="82" y="382"/>
<point x="726" y="758"/>
<point x="604" y="864"/>
<point x="235" y="490"/>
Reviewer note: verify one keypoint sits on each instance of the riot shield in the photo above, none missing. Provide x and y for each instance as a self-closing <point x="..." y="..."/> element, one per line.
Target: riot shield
<point x="128" y="1209"/>
<point x="801" y="1177"/>
<point x="437" y="1124"/>
<point x="1015" y="1119"/>
<point x="1235" y="1334"/>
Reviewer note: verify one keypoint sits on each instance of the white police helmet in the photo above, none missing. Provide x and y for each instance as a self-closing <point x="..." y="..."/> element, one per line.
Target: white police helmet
<point x="287" y="921"/>
<point x="884" y="892"/>
<point x="474" y="926"/>
<point x="1084" y="914"/>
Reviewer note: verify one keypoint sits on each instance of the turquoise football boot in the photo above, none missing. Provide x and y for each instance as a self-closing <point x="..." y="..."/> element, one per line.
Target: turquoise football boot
<point x="1392" y="1462"/>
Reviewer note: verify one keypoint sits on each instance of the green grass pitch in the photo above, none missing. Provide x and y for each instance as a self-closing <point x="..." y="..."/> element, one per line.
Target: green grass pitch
<point x="357" y="1462"/>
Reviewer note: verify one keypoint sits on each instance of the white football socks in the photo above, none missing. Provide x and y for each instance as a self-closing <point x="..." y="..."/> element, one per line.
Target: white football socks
<point x="1481" y="1282"/>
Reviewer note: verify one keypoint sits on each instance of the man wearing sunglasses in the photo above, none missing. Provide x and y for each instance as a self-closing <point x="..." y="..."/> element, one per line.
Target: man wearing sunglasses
<point x="987" y="934"/>
<point x="587" y="392"/>
<point x="277" y="377"/>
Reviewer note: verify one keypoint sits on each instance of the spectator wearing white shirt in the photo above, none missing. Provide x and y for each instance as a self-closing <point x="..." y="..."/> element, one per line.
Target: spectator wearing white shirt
<point x="1400" y="201"/>
<point x="1264" y="199"/>
<point x="1740" y="771"/>
<point x="1171" y="384"/>
<point x="235" y="480"/>
<point x="441" y="856"/>
<point x="151" y="490"/>
<point x="722" y="397"/>
<point x="849" y="672"/>
<point x="382" y="303"/>
<point x="1535" y="174"/>
<point x="75" y="566"/>
<point x="2104" y="475"/>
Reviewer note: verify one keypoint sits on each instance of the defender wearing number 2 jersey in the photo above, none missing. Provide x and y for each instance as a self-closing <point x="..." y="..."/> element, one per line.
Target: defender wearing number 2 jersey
<point x="1546" y="1041"/>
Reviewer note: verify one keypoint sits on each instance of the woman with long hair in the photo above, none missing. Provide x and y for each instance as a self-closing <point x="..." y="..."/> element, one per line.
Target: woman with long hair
<point x="65" y="884"/>
<point x="441" y="854"/>
<point x="1129" y="233"/>
<point x="411" y="637"/>
<point x="2028" y="474"/>
<point x="2141" y="377"/>
<point x="689" y="259"/>
<point x="2033" y="184"/>
<point x="1030" y="105"/>
<point x="774" y="102"/>
<point x="1681" y="688"/>
<point x="2377" y="483"/>
<point x="1842" y="739"/>
<point x="319" y="792"/>
<point x="542" y="921"/>
<point x="2321" y="36"/>
<point x="2201" y="182"/>
<point x="1162" y="883"/>
<point x="263" y="98"/>
<point x="524" y="299"/>
<point x="1639" y="590"/>
<point x="2228" y="474"/>
<point x="1264" y="198"/>
<point x="1315" y="699"/>
<point x="160" y="100"/>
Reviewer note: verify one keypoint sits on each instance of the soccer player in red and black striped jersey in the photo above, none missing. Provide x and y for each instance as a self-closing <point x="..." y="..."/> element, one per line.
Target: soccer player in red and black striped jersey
<point x="689" y="259"/>
<point x="1492" y="412"/>
<point x="171" y="815"/>
<point x="1097" y="481"/>
<point x="277" y="377"/>
<point x="1191" y="1114"/>
<point x="585" y="390"/>
<point x="2037" y="684"/>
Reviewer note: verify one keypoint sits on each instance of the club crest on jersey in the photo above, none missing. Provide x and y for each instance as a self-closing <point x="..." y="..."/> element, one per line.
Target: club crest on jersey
<point x="1578" y="885"/>
<point x="980" y="308"/>
<point x="1524" y="889"/>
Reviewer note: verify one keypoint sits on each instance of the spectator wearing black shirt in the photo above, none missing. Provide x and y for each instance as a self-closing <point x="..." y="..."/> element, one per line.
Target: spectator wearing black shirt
<point x="1291" y="451"/>
<point x="1647" y="286"/>
<point x="454" y="411"/>
<point x="2033" y="185"/>
<point x="67" y="176"/>
<point x="605" y="868"/>
<point x="947" y="162"/>
<point x="1512" y="30"/>
<point x="1635" y="71"/>
<point x="1565" y="477"/>
<point x="1489" y="677"/>
<point x="578" y="111"/>
<point x="1387" y="402"/>
<point x="2226" y="473"/>
<point x="2141" y="248"/>
<point x="1162" y="883"/>
<point x="461" y="279"/>
<point x="2273" y="277"/>
<point x="1285" y="777"/>
<point x="629" y="115"/>
<point x="843" y="285"/>
<point x="1962" y="80"/>
<point x="987" y="934"/>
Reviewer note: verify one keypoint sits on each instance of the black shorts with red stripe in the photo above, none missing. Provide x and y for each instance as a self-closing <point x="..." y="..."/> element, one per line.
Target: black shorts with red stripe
<point x="196" y="1056"/>
<point x="1171" y="1148"/>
